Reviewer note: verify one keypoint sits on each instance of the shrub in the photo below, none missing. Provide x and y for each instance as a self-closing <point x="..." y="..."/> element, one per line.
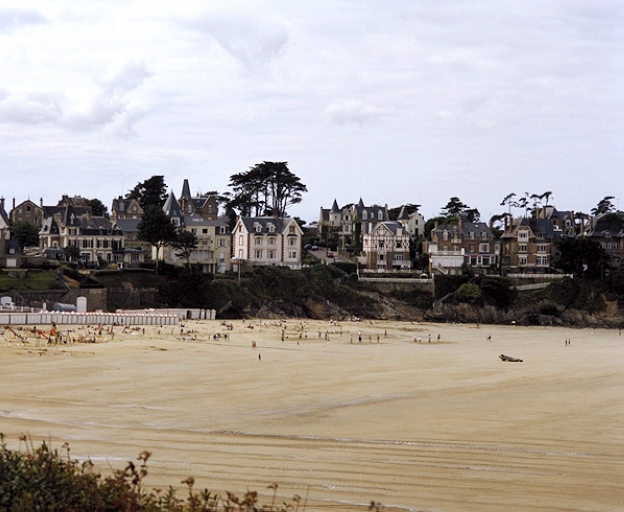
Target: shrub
<point x="468" y="292"/>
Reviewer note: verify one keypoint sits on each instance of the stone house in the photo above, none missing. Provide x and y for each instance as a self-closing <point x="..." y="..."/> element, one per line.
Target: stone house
<point x="94" y="236"/>
<point x="199" y="215"/>
<point x="467" y="244"/>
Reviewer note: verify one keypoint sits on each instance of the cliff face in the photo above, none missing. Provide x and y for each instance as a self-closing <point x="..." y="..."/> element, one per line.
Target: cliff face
<point x="526" y="315"/>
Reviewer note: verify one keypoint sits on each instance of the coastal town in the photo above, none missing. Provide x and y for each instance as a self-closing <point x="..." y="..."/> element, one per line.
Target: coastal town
<point x="203" y="230"/>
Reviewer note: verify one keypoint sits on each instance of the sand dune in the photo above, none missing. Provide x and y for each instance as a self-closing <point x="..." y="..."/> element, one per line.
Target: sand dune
<point x="416" y="426"/>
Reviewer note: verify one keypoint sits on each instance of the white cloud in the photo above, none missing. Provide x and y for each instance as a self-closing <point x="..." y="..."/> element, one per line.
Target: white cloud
<point x="354" y="112"/>
<point x="11" y="19"/>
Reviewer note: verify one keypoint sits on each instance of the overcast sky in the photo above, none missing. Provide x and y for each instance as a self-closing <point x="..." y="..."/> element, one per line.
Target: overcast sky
<point x="394" y="101"/>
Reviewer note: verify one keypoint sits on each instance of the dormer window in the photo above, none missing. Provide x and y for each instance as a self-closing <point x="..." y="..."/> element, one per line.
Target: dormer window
<point x="121" y="207"/>
<point x="291" y="230"/>
<point x="258" y="227"/>
<point x="271" y="228"/>
<point x="364" y="215"/>
<point x="380" y="215"/>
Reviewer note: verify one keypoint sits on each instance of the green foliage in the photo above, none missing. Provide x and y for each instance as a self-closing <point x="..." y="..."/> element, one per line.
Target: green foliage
<point x="26" y="234"/>
<point x="468" y="292"/>
<point x="42" y="479"/>
<point x="29" y="280"/>
<point x="97" y="207"/>
<point x="268" y="188"/>
<point x="156" y="228"/>
<point x="581" y="257"/>
<point x="185" y="242"/>
<point x="349" y="268"/>
<point x="445" y="284"/>
<point x="583" y="294"/>
<point x="152" y="191"/>
<point x="497" y="290"/>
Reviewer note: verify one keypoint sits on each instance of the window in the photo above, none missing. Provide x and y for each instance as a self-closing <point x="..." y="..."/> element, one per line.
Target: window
<point x="381" y="257"/>
<point x="258" y="240"/>
<point x="523" y="235"/>
<point x="364" y="215"/>
<point x="194" y="231"/>
<point x="541" y="248"/>
<point x="240" y="239"/>
<point x="398" y="257"/>
<point x="189" y="208"/>
<point x="72" y="231"/>
<point x="381" y="245"/>
<point x="472" y="247"/>
<point x="522" y="248"/>
<point x="258" y="228"/>
<point x="473" y="261"/>
<point x="483" y="234"/>
<point x="292" y="255"/>
<point x="522" y="260"/>
<point x="209" y="208"/>
<point x="399" y="245"/>
<point x="271" y="228"/>
<point x="380" y="215"/>
<point x="121" y="207"/>
<point x="259" y="254"/>
<point x="292" y="242"/>
<point x="271" y="255"/>
<point x="291" y="230"/>
<point x="542" y="261"/>
<point x="222" y="242"/>
<point x="614" y="246"/>
<point x="272" y="240"/>
<point x="484" y="247"/>
<point x="485" y="261"/>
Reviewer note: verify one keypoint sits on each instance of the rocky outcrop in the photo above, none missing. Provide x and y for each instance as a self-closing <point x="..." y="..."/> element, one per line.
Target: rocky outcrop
<point x="533" y="314"/>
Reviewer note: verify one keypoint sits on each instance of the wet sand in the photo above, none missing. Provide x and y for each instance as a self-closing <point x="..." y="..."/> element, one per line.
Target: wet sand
<point x="415" y="426"/>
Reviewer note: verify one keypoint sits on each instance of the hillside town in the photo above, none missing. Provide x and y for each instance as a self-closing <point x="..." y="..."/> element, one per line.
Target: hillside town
<point x="210" y="235"/>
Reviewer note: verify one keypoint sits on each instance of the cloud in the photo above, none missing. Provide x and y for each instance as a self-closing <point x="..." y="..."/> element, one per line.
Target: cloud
<point x="30" y="108"/>
<point x="11" y="19"/>
<point x="354" y="112"/>
<point x="111" y="104"/>
<point x="252" y="42"/>
<point x="109" y="107"/>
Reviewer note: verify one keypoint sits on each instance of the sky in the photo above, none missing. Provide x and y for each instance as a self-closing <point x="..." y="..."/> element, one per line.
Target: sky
<point x="390" y="101"/>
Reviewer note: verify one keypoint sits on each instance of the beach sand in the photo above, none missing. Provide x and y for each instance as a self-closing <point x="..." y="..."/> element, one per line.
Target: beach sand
<point x="442" y="426"/>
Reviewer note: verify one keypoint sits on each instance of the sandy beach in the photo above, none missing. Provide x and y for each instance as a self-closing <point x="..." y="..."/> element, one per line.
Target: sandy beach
<point x="444" y="426"/>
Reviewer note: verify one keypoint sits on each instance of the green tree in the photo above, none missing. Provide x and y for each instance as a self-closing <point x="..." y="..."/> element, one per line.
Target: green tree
<point x="268" y="188"/>
<point x="454" y="207"/>
<point x="468" y="292"/>
<point x="185" y="242"/>
<point x="26" y="234"/>
<point x="152" y="191"/>
<point x="581" y="257"/>
<point x="98" y="207"/>
<point x="72" y="253"/>
<point x="604" y="206"/>
<point x="156" y="228"/>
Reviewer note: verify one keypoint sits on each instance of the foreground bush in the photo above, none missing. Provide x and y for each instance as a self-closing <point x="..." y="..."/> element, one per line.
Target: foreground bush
<point x="41" y="479"/>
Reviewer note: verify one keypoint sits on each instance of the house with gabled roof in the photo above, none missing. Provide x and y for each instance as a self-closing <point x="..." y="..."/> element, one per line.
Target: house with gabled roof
<point x="267" y="241"/>
<point x="469" y="245"/>
<point x="95" y="237"/>
<point x="125" y="208"/>
<point x="213" y="252"/>
<point x="528" y="245"/>
<point x="9" y="249"/>
<point x="413" y="223"/>
<point x="607" y="229"/>
<point x="202" y="205"/>
<point x="387" y="247"/>
<point x="350" y="222"/>
<point x="27" y="211"/>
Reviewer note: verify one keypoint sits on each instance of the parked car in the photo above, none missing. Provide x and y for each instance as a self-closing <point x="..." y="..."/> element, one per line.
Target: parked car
<point x="330" y="254"/>
<point x="314" y="248"/>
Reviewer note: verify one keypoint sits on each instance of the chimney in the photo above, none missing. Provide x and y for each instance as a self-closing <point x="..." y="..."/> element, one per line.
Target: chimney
<point x="1" y="203"/>
<point x="41" y="202"/>
<point x="14" y="203"/>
